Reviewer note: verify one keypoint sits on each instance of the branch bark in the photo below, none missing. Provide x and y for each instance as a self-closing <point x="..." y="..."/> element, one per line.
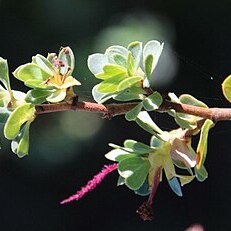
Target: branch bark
<point x="115" y="109"/>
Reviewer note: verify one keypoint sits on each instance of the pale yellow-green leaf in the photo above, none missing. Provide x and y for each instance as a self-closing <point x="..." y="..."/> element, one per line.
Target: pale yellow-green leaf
<point x="17" y="118"/>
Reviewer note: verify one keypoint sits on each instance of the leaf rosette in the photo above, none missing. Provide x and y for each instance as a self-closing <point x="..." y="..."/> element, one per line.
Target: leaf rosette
<point x="124" y="72"/>
<point x="49" y="77"/>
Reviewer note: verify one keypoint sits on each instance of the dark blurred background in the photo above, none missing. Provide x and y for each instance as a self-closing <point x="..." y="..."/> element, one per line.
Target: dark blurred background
<point x="68" y="148"/>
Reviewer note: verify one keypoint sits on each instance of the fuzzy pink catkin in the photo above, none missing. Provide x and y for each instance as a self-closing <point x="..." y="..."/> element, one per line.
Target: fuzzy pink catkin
<point x="92" y="184"/>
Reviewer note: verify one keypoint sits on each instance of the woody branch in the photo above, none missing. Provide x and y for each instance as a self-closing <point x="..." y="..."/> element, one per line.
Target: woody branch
<point x="115" y="109"/>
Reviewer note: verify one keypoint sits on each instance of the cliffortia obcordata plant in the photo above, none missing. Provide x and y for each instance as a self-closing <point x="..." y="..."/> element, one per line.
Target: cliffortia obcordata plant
<point x="125" y="75"/>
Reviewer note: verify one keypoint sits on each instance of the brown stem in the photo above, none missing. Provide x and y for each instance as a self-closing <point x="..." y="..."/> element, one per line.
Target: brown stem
<point x="111" y="110"/>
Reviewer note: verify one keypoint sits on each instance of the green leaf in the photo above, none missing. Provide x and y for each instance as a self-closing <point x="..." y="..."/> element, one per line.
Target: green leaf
<point x="186" y="121"/>
<point x="44" y="64"/>
<point x="30" y="71"/>
<point x="110" y="85"/>
<point x="153" y="48"/>
<point x="201" y="174"/>
<point x="175" y="186"/>
<point x="190" y="100"/>
<point x="135" y="171"/>
<point x="113" y="50"/>
<point x="143" y="190"/>
<point x="4" y="98"/>
<point x="138" y="147"/>
<point x="132" y="114"/>
<point x="36" y="83"/>
<point x="131" y="65"/>
<point x="17" y="118"/>
<point x="4" y="73"/>
<point x="68" y="58"/>
<point x="57" y="96"/>
<point x="148" y="66"/>
<point x="36" y="96"/>
<point x="120" y="60"/>
<point x="226" y="88"/>
<point x="129" y="94"/>
<point x="145" y="121"/>
<point x="129" y="82"/>
<point x="110" y="71"/>
<point x="185" y="179"/>
<point x="100" y="97"/>
<point x="20" y="145"/>
<point x="136" y="49"/>
<point x="155" y="142"/>
<point x="115" y="153"/>
<point x="202" y="145"/>
<point x="96" y="62"/>
<point x="153" y="101"/>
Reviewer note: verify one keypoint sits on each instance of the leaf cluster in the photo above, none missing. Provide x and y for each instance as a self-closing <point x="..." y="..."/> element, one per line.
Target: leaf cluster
<point x="125" y="75"/>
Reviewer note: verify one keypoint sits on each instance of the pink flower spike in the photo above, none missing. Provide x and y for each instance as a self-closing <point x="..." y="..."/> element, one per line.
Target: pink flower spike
<point x="92" y="184"/>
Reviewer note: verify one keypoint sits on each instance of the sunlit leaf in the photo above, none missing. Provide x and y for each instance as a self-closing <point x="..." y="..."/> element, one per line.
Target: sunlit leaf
<point x="226" y="88"/>
<point x="37" y="83"/>
<point x="96" y="62"/>
<point x="120" y="60"/>
<point x="129" y="82"/>
<point x="145" y="121"/>
<point x="148" y="66"/>
<point x="138" y="147"/>
<point x="153" y="101"/>
<point x="112" y="70"/>
<point x="136" y="49"/>
<point x="110" y="85"/>
<point x="44" y="64"/>
<point x="4" y="98"/>
<point x="129" y="94"/>
<point x="115" y="153"/>
<point x="190" y="100"/>
<point x="20" y="145"/>
<point x="4" y="74"/>
<point x="17" y="118"/>
<point x="131" y="65"/>
<point x="68" y="82"/>
<point x="153" y="48"/>
<point x="68" y="58"/>
<point x="202" y="145"/>
<point x="37" y="96"/>
<point x="100" y="97"/>
<point x="113" y="50"/>
<point x="132" y="114"/>
<point x="135" y="171"/>
<point x="57" y="96"/>
<point x="30" y="71"/>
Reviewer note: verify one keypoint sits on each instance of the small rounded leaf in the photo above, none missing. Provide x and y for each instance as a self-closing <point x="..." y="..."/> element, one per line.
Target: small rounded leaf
<point x="96" y="62"/>
<point x="226" y="88"/>
<point x="17" y="118"/>
<point x="4" y="73"/>
<point x="30" y="71"/>
<point x="135" y="171"/>
<point x="153" y="101"/>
